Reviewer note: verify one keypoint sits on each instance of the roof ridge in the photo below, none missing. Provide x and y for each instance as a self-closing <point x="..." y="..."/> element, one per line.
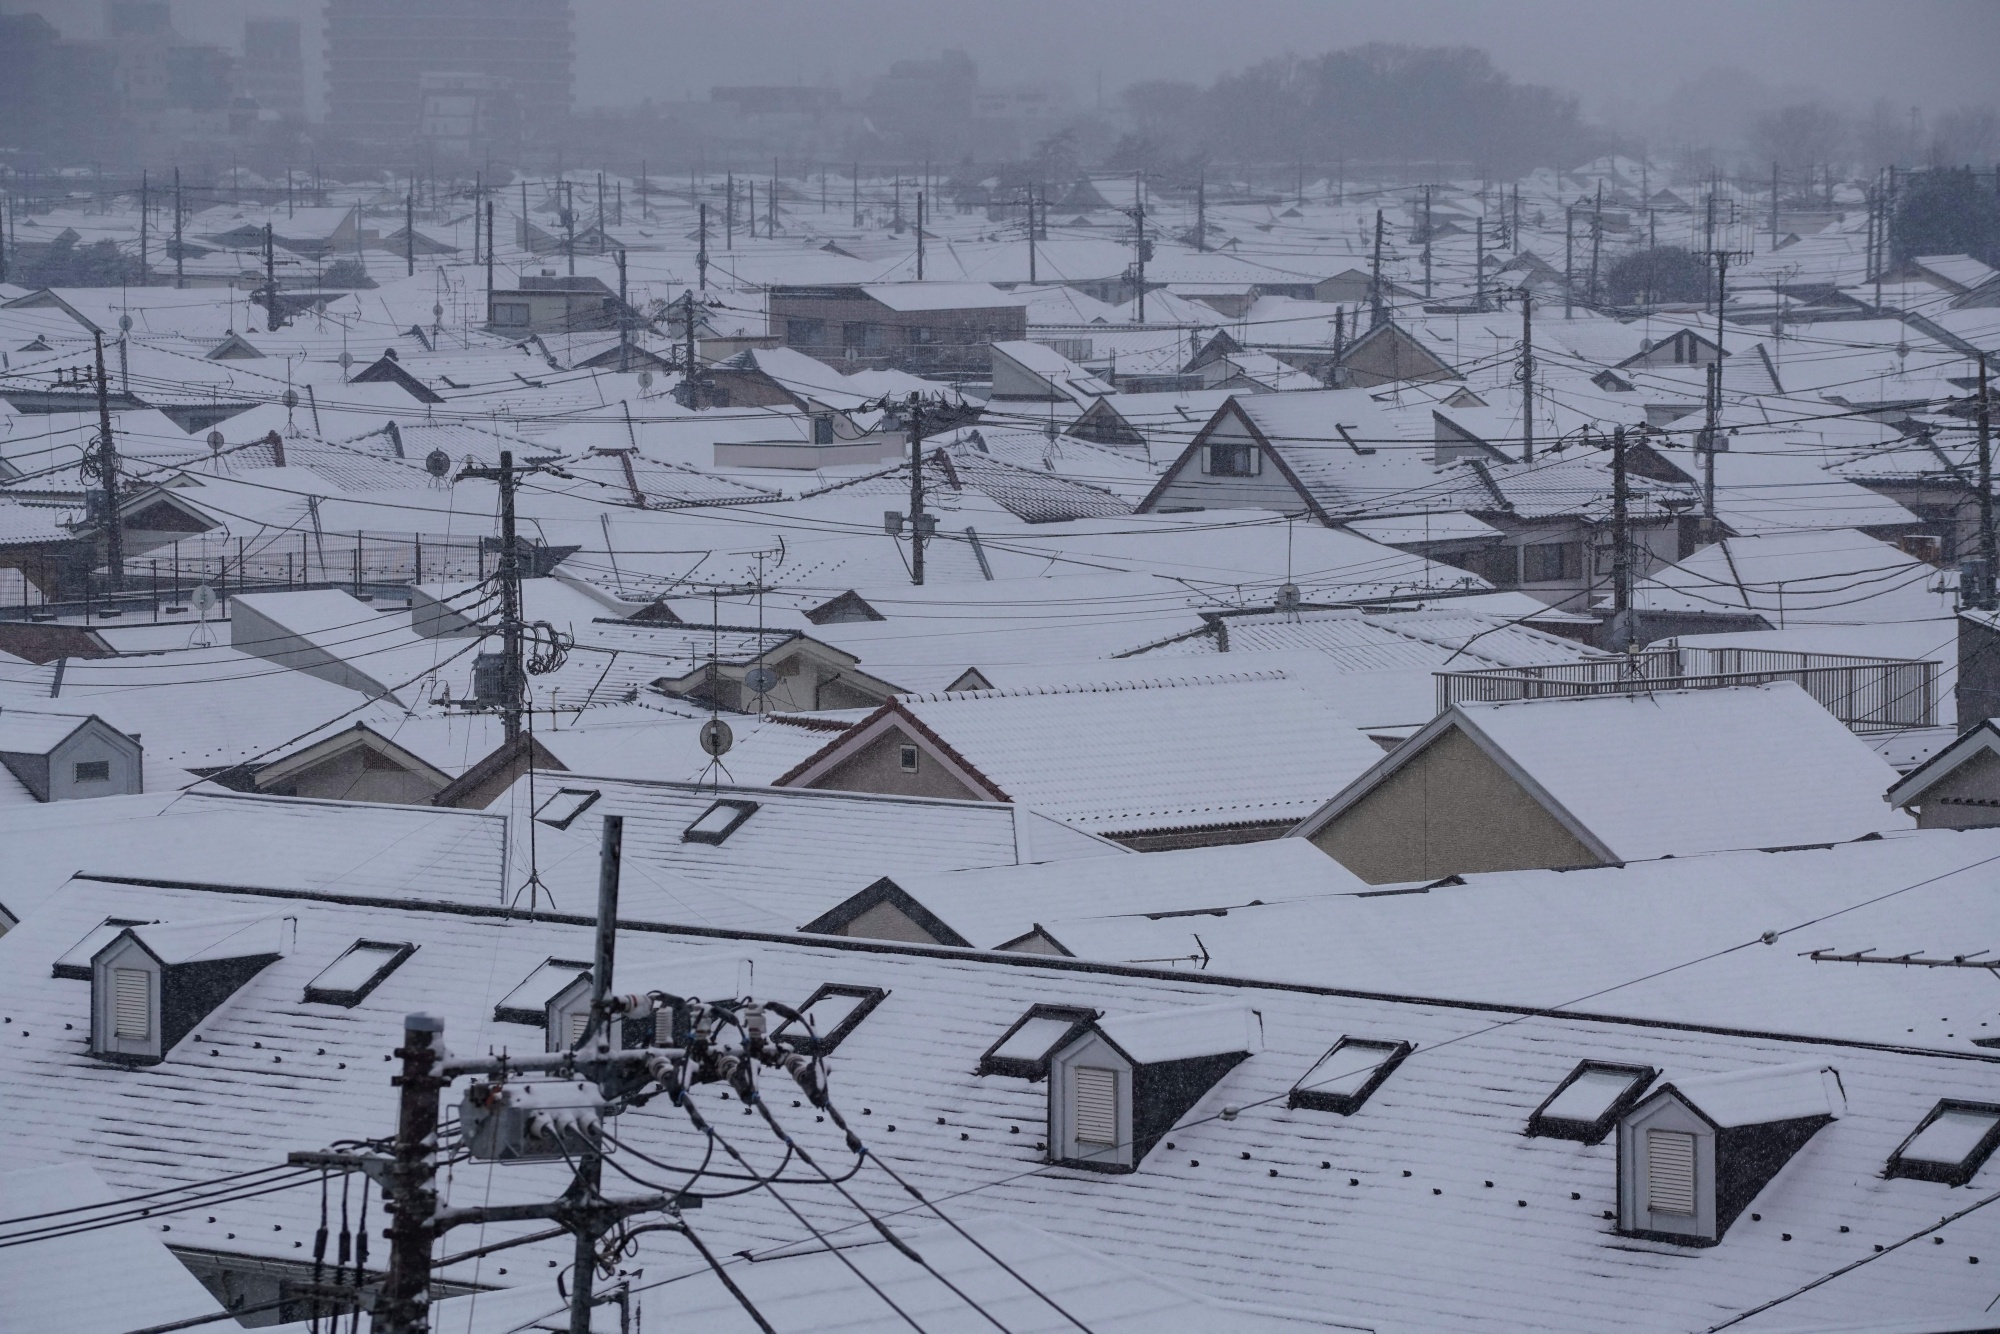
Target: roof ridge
<point x="1163" y="682"/>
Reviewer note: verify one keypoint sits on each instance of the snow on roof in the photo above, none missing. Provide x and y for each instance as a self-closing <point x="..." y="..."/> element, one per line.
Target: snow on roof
<point x="1208" y="751"/>
<point x="1451" y="1115"/>
<point x="1694" y="770"/>
<point x="942" y="296"/>
<point x="36" y="733"/>
<point x="104" y="1281"/>
<point x="1177" y="1035"/>
<point x="212" y="938"/>
<point x="1759" y="1097"/>
<point x="1838" y="577"/>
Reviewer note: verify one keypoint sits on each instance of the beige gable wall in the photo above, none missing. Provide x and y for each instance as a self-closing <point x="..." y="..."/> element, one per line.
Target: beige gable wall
<point x="877" y="767"/>
<point x="1193" y="489"/>
<point x="1967" y="798"/>
<point x="1447" y="811"/>
<point x="885" y="921"/>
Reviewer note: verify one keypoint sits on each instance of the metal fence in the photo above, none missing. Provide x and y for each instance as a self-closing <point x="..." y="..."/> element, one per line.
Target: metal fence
<point x="1867" y="694"/>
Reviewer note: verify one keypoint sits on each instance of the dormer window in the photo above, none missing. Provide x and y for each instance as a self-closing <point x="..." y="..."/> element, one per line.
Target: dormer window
<point x="1587" y="1104"/>
<point x="132" y="1005"/>
<point x="1348" y="1075"/>
<point x="1119" y="1085"/>
<point x="151" y="984"/>
<point x="1023" y="1051"/>
<point x="719" y="821"/>
<point x="568" y="803"/>
<point x="1950" y="1145"/>
<point x="93" y="771"/>
<point x="363" y="967"/>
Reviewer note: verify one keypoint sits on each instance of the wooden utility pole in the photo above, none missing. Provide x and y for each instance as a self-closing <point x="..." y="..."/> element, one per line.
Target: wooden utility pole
<point x="272" y="322"/>
<point x="145" y="274"/>
<point x="1621" y="545"/>
<point x="918" y="518"/>
<point x="107" y="463"/>
<point x="1596" y="239"/>
<point x="1375" y="276"/>
<point x="1031" y="232"/>
<point x="1990" y="562"/>
<point x="1479" y="264"/>
<point x="1201" y="212"/>
<point x="410" y="231"/>
<point x="920" y="236"/>
<point x="701" y="250"/>
<point x="489" y="259"/>
<point x="180" y="277"/>
<point x="1427" y="243"/>
<point x="1140" y="245"/>
<point x="404" y="1304"/>
<point x="1569" y="261"/>
<point x="729" y="211"/>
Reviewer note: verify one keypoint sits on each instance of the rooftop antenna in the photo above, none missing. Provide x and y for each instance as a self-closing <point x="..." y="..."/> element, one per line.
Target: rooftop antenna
<point x="716" y="738"/>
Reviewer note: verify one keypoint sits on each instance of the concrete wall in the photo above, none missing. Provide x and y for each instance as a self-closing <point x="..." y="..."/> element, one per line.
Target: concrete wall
<point x="877" y="767"/>
<point x="885" y="921"/>
<point x="1447" y="811"/>
<point x="1967" y="798"/>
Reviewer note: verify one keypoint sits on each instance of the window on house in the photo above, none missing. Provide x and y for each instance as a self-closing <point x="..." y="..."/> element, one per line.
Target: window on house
<point x="1350" y="1072"/>
<point x="1023" y="1051"/>
<point x="907" y="758"/>
<point x="1950" y="1145"/>
<point x="93" y="771"/>
<point x="358" y="971"/>
<point x="718" y="822"/>
<point x="861" y="334"/>
<point x="1547" y="562"/>
<point x="804" y="333"/>
<point x="1096" y="1108"/>
<point x="132" y="1003"/>
<point x="510" y="312"/>
<point x="823" y="429"/>
<point x="1238" y="460"/>
<point x="566" y="805"/>
<point x="1588" y="1103"/>
<point x="1670" y="1172"/>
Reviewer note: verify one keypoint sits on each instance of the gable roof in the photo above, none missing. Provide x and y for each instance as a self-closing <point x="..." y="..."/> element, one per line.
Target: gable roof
<point x="1980" y="739"/>
<point x="1641" y="776"/>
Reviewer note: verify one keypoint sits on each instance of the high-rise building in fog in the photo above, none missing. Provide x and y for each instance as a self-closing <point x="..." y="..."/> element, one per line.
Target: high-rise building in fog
<point x="379" y="53"/>
<point x="274" y="67"/>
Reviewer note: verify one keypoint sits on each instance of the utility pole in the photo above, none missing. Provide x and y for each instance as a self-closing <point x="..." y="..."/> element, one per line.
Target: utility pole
<point x="645" y="194"/>
<point x="410" y="231"/>
<point x="1527" y="376"/>
<point x="1479" y="264"/>
<point x="750" y="213"/>
<point x="857" y="194"/>
<point x="1427" y="243"/>
<point x="107" y="463"/>
<point x="701" y="251"/>
<point x="1709" y="433"/>
<point x="1201" y="211"/>
<point x="270" y="281"/>
<point x="1621" y="546"/>
<point x="489" y="259"/>
<point x="569" y="224"/>
<point x="145" y="274"/>
<point x="687" y="363"/>
<point x="509" y="575"/>
<point x="1375" y="276"/>
<point x="1774" y="205"/>
<point x="1596" y="239"/>
<point x="1031" y="232"/>
<point x="624" y="322"/>
<point x="729" y="211"/>
<point x="587" y="1187"/>
<point x="920" y="236"/>
<point x="1987" y="555"/>
<point x="180" y="279"/>
<point x="917" y="516"/>
<point x="404" y="1305"/>
<point x="1139" y="243"/>
<point x="1569" y="261"/>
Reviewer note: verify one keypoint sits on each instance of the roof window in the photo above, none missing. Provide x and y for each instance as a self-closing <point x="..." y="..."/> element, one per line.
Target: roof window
<point x="528" y="1003"/>
<point x="358" y="971"/>
<point x="719" y="821"/>
<point x="1348" y="1075"/>
<point x="568" y="803"/>
<point x="1949" y="1145"/>
<point x="74" y="963"/>
<point x="1023" y="1050"/>
<point x="1587" y="1104"/>
<point x="836" y="1010"/>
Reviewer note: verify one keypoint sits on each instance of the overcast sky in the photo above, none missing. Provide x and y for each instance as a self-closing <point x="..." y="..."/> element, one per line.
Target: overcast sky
<point x="1620" y="56"/>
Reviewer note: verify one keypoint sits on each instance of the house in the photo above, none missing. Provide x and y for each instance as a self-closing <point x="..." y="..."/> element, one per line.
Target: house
<point x="1604" y="780"/>
<point x="939" y="330"/>
<point x="548" y="303"/>
<point x="1389" y="354"/>
<point x="1959" y="786"/>
<point x="1036" y="373"/>
<point x="1153" y="764"/>
<point x="63" y="756"/>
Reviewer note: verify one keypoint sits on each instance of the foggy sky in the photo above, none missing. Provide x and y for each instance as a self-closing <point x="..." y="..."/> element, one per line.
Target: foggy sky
<point x="1622" y="57"/>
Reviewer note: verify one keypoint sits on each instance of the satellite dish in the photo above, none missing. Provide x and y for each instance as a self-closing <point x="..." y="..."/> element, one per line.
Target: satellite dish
<point x="761" y="680"/>
<point x="125" y="324"/>
<point x="716" y="738"/>
<point x="345" y="359"/>
<point x="437" y="463"/>
<point x="215" y="441"/>
<point x="291" y="399"/>
<point x="645" y="379"/>
<point x="204" y="599"/>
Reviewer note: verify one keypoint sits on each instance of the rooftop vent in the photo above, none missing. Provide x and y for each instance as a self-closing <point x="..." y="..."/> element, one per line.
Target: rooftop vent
<point x="719" y="821"/>
<point x="1949" y="1145"/>
<point x="358" y="971"/>
<point x="1693" y="1155"/>
<point x="567" y="803"/>
<point x="1348" y="1075"/>
<point x="1587" y="1104"/>
<point x="1023" y="1051"/>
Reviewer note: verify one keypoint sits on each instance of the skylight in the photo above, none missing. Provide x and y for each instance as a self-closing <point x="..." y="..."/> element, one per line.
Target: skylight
<point x="528" y="1003"/>
<point x="836" y="1010"/>
<point x="349" y="979"/>
<point x="1590" y="1100"/>
<point x="1950" y="1145"/>
<point x="566" y="805"/>
<point x="718" y="822"/>
<point x="1344" y="1079"/>
<point x="1023" y="1051"/>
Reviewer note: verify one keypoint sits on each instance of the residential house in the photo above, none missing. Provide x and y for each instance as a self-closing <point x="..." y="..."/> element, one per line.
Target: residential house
<point x="940" y="330"/>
